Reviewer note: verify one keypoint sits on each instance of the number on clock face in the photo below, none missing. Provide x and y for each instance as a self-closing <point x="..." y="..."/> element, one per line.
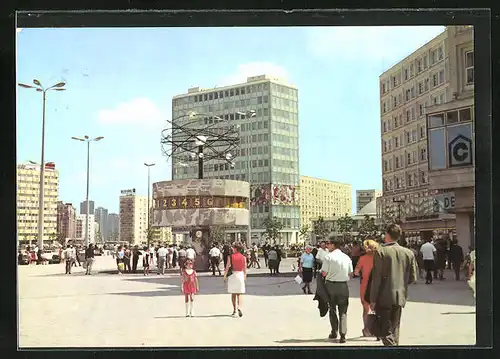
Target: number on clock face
<point x="164" y="203"/>
<point x="173" y="202"/>
<point x="196" y="202"/>
<point x="210" y="202"/>
<point x="184" y="202"/>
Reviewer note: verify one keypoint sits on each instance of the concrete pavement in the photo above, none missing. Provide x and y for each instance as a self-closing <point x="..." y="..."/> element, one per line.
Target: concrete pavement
<point x="104" y="310"/>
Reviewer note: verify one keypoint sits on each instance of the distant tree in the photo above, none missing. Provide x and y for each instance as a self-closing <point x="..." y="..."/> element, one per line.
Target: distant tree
<point x="320" y="228"/>
<point x="150" y="234"/>
<point x="217" y="234"/>
<point x="305" y="232"/>
<point x="345" y="225"/>
<point x="368" y="227"/>
<point x="273" y="227"/>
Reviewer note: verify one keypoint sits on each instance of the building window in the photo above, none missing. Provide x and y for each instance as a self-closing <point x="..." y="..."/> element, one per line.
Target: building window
<point x="423" y="154"/>
<point x="420" y="88"/>
<point x="425" y="61"/>
<point x="419" y="65"/>
<point x="410" y="180"/>
<point x="421" y="108"/>
<point x="408" y="115"/>
<point x="422" y="132"/>
<point x="434" y="80"/>
<point x="423" y="177"/>
<point x="385" y="126"/>
<point x="412" y="70"/>
<point x="441" y="77"/>
<point x="383" y="88"/>
<point x="406" y="74"/>
<point x="451" y="117"/>
<point x="396" y="142"/>
<point x="407" y="95"/>
<point x="440" y="53"/>
<point x="469" y="67"/>
<point x="396" y="161"/>
<point x="465" y="115"/>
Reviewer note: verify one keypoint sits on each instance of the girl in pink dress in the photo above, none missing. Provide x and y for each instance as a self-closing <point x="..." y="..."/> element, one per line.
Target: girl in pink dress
<point x="189" y="286"/>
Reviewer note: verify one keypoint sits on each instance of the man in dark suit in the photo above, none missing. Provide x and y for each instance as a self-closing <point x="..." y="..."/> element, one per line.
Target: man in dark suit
<point x="394" y="267"/>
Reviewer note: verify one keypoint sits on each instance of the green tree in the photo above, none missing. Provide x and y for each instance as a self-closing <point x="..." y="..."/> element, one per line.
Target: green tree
<point x="273" y="227"/>
<point x="345" y="225"/>
<point x="305" y="232"/>
<point x="217" y="234"/>
<point x="368" y="227"/>
<point x="150" y="233"/>
<point x="320" y="228"/>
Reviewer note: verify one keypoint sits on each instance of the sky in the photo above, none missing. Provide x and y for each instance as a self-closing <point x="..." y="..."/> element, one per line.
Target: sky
<point x="120" y="83"/>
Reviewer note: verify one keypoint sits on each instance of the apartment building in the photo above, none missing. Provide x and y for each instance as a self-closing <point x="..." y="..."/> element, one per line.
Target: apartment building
<point x="323" y="198"/>
<point x="133" y="218"/>
<point x="28" y="191"/>
<point x="407" y="90"/>
<point x="451" y="140"/>
<point x="66" y="220"/>
<point x="269" y="147"/>
<point x="365" y="196"/>
<point x="81" y="220"/>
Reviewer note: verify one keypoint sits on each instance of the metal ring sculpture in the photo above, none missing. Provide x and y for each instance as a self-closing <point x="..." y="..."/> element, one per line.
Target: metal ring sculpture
<point x="220" y="139"/>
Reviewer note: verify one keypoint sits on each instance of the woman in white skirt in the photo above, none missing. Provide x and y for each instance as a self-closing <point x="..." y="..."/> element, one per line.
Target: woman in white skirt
<point x="235" y="274"/>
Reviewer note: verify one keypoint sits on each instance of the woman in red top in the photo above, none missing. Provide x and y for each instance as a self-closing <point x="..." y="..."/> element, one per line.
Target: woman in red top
<point x="236" y="275"/>
<point x="189" y="286"/>
<point x="364" y="268"/>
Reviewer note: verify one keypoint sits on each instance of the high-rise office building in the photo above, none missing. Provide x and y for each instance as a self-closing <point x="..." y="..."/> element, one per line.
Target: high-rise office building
<point x="365" y="196"/>
<point x="323" y="198"/>
<point x="28" y="190"/>
<point x="426" y="78"/>
<point x="101" y="217"/>
<point x="80" y="227"/>
<point x="133" y="218"/>
<point x="269" y="145"/>
<point x="66" y="221"/>
<point x="113" y="227"/>
<point x="83" y="207"/>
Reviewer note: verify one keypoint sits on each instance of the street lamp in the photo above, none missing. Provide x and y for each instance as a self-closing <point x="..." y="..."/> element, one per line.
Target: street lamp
<point x="248" y="114"/>
<point x="399" y="202"/>
<point x="149" y="165"/>
<point x="88" y="140"/>
<point x="39" y="88"/>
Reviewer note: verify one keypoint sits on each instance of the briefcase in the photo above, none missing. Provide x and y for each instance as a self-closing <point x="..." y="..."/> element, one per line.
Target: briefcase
<point x="373" y="324"/>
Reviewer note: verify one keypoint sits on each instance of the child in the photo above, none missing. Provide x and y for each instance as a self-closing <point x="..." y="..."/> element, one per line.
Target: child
<point x="189" y="286"/>
<point x="145" y="261"/>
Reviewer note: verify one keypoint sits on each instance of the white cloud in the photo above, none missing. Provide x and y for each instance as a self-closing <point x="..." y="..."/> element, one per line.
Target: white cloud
<point x="141" y="111"/>
<point x="254" y="69"/>
<point x="386" y="44"/>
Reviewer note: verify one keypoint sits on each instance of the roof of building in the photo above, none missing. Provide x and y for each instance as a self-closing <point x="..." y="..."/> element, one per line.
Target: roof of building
<point x="369" y="209"/>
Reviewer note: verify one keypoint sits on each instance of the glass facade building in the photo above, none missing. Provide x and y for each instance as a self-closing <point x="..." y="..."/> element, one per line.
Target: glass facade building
<point x="268" y="155"/>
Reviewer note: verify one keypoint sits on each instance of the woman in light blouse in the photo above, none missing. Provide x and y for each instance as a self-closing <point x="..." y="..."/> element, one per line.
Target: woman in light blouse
<point x="306" y="265"/>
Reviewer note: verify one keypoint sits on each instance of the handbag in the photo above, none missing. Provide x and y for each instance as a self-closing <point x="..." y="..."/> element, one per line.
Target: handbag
<point x="298" y="279"/>
<point x="229" y="271"/>
<point x="373" y="324"/>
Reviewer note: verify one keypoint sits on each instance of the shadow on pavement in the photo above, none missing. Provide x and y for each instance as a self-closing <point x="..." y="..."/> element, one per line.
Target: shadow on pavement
<point x="326" y="340"/>
<point x="196" y="316"/>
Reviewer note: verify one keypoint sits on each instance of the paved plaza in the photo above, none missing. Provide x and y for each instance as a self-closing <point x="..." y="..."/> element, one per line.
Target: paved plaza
<point x="130" y="310"/>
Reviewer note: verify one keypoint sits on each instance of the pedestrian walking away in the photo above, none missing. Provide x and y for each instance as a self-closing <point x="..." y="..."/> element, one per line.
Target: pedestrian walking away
<point x="306" y="264"/>
<point x="337" y="270"/>
<point x="235" y="274"/>
<point x="214" y="255"/>
<point x="162" y="259"/>
<point x="394" y="268"/>
<point x="429" y="256"/>
<point x="89" y="259"/>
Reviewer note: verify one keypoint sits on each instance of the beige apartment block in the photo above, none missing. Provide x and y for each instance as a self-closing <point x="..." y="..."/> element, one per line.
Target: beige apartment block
<point x="133" y="218"/>
<point x="320" y="197"/>
<point x="430" y="76"/>
<point x="28" y="191"/>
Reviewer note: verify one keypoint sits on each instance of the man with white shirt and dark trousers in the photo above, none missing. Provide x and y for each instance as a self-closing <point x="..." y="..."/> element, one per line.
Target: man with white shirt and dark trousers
<point x="429" y="257"/>
<point x="162" y="259"/>
<point x="214" y="255"/>
<point x="337" y="270"/>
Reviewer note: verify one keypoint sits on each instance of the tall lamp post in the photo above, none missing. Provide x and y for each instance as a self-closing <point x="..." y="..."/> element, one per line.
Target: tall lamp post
<point x="149" y="165"/>
<point x="88" y="140"/>
<point x="248" y="114"/>
<point x="399" y="202"/>
<point x="39" y="88"/>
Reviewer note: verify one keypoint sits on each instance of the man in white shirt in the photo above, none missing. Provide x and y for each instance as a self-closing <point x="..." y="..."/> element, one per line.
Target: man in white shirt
<point x="190" y="253"/>
<point x="429" y="256"/>
<point x="69" y="256"/>
<point x="337" y="270"/>
<point x="162" y="259"/>
<point x="321" y="253"/>
<point x="214" y="255"/>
